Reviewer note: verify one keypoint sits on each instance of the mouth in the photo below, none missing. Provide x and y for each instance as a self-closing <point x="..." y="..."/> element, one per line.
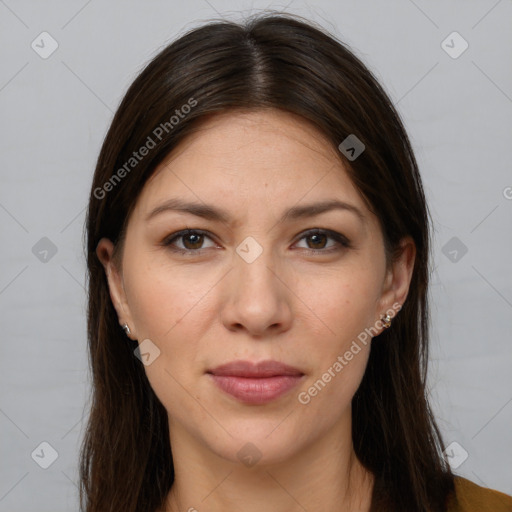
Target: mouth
<point x="256" y="383"/>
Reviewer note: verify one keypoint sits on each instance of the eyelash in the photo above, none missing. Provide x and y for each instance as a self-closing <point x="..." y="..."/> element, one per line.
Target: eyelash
<point x="338" y="237"/>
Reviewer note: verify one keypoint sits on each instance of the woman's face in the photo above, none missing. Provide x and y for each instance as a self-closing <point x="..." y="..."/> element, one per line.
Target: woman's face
<point x="255" y="286"/>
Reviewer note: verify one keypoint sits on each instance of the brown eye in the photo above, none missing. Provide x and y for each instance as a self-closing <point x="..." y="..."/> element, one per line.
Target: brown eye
<point x="192" y="241"/>
<point x="318" y="241"/>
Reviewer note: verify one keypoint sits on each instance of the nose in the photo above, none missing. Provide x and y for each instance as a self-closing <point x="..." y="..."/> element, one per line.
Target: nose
<point x="257" y="297"/>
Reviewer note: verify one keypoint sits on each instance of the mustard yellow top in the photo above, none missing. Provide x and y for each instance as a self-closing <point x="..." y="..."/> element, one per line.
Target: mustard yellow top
<point x="470" y="497"/>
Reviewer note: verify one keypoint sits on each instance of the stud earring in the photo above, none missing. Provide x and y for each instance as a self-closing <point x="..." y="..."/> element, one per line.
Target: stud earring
<point x="126" y="329"/>
<point x="386" y="322"/>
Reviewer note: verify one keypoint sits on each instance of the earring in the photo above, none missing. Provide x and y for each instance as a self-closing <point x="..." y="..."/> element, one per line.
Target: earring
<point x="386" y="322"/>
<point x="126" y="329"/>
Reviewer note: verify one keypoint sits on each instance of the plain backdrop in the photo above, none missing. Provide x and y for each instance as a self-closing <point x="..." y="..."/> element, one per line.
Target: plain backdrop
<point x="55" y="111"/>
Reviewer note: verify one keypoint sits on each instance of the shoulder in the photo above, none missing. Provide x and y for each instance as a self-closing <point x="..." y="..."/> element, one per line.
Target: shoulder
<point x="470" y="497"/>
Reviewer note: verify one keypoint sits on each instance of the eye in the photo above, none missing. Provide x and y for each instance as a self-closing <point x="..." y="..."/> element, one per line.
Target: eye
<point x="191" y="239"/>
<point x="318" y="239"/>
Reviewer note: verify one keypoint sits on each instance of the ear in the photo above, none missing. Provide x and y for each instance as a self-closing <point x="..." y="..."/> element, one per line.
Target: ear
<point x="398" y="278"/>
<point x="105" y="251"/>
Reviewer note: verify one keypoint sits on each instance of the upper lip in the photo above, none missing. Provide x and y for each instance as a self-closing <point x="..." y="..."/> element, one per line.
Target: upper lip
<point x="255" y="370"/>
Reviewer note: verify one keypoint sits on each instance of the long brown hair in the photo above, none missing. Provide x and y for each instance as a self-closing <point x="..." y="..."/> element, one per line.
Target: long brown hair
<point x="269" y="61"/>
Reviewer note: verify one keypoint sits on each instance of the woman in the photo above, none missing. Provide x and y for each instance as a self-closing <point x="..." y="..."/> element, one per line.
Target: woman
<point x="258" y="244"/>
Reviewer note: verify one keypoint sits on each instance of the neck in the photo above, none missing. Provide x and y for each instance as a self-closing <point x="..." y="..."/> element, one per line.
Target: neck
<point x="325" y="476"/>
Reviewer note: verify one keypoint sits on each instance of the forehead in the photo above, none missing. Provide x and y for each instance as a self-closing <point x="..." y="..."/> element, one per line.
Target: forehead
<point x="251" y="160"/>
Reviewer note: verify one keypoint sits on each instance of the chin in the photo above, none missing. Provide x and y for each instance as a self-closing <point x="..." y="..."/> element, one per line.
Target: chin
<point x="256" y="443"/>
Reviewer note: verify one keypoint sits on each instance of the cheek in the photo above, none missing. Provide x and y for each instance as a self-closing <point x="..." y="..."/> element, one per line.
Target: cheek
<point x="339" y="354"/>
<point x="340" y="346"/>
<point x="164" y="301"/>
<point x="340" y="305"/>
<point x="325" y="400"/>
<point x="166" y="308"/>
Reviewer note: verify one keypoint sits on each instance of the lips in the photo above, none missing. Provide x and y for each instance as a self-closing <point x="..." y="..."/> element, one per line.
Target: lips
<point x="255" y="370"/>
<point x="256" y="383"/>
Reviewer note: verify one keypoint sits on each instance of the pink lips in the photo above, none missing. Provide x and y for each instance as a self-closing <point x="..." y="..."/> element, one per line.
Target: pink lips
<point x="256" y="383"/>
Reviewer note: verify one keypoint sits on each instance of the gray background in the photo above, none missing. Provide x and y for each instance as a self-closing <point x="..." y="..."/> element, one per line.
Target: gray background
<point x="55" y="113"/>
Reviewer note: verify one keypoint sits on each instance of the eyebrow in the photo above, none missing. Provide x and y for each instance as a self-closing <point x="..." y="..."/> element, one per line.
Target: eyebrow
<point x="213" y="213"/>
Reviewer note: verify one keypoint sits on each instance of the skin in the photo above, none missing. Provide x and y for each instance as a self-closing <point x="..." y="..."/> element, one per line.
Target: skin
<point x="290" y="304"/>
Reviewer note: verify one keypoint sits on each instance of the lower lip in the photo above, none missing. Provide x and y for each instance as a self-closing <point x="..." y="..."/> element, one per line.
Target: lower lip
<point x="256" y="390"/>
